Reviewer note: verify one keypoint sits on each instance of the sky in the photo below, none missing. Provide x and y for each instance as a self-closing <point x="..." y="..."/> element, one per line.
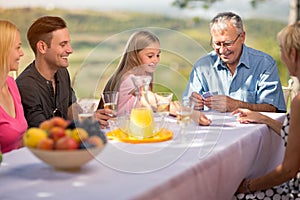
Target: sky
<point x="275" y="9"/>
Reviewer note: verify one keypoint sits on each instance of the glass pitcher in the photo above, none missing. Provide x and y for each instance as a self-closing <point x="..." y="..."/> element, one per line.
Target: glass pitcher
<point x="141" y="116"/>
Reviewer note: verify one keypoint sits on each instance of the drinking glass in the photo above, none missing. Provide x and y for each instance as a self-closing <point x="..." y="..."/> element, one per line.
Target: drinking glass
<point x="110" y="101"/>
<point x="88" y="107"/>
<point x="163" y="101"/>
<point x="184" y="114"/>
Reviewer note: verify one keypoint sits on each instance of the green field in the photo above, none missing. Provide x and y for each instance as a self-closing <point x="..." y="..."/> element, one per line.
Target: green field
<point x="98" y="40"/>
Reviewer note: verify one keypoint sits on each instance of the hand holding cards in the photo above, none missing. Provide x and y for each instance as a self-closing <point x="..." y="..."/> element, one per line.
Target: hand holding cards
<point x="206" y="95"/>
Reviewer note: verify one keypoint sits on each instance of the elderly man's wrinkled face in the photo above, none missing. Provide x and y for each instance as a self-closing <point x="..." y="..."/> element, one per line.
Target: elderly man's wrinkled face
<point x="228" y="44"/>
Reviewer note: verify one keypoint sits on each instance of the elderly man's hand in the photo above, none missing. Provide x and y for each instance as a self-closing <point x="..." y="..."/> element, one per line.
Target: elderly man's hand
<point x="221" y="103"/>
<point x="198" y="101"/>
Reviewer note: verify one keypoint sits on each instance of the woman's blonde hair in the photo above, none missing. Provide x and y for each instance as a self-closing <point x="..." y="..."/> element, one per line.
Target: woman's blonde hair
<point x="8" y="33"/>
<point x="289" y="37"/>
<point x="130" y="59"/>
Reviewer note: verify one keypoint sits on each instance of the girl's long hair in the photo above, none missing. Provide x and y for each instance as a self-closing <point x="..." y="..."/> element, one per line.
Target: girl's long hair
<point x="130" y="59"/>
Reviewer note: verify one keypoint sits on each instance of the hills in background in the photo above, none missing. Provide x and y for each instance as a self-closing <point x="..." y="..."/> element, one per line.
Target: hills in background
<point x="98" y="39"/>
<point x="268" y="9"/>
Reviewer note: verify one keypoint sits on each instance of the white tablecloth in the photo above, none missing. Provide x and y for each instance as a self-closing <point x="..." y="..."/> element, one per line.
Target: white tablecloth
<point x="208" y="163"/>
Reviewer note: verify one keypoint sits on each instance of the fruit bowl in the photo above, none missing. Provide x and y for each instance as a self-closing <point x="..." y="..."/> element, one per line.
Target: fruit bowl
<point x="65" y="145"/>
<point x="66" y="160"/>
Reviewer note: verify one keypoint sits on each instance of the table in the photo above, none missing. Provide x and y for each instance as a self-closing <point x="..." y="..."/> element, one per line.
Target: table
<point x="208" y="163"/>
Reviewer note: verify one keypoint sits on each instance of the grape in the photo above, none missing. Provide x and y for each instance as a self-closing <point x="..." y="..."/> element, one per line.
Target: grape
<point x="93" y="128"/>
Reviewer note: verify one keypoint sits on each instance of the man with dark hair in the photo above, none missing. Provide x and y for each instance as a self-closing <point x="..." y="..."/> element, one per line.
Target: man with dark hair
<point x="45" y="85"/>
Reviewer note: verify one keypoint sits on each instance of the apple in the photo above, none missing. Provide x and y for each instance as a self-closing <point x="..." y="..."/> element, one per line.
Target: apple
<point x="46" y="144"/>
<point x="66" y="143"/>
<point x="46" y="125"/>
<point x="60" y="122"/>
<point x="56" y="133"/>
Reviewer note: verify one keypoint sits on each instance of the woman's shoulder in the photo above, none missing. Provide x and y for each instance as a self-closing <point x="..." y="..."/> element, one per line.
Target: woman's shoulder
<point x="11" y="81"/>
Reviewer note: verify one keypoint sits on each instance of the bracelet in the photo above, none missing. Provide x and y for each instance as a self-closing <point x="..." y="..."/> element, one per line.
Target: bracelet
<point x="247" y="185"/>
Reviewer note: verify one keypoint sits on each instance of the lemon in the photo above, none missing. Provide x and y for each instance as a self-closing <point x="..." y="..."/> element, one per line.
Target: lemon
<point x="141" y="123"/>
<point x="79" y="134"/>
<point x="33" y="135"/>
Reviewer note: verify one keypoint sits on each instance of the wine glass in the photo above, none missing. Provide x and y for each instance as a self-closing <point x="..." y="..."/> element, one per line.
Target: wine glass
<point x="110" y="101"/>
<point x="184" y="115"/>
<point x="88" y="106"/>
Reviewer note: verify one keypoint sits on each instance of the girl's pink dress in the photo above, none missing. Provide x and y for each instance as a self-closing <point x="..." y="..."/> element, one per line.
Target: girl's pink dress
<point x="126" y="98"/>
<point x="12" y="129"/>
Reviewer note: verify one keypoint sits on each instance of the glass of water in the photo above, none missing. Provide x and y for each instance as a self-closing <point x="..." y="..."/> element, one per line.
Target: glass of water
<point x="163" y="101"/>
<point x="184" y="114"/>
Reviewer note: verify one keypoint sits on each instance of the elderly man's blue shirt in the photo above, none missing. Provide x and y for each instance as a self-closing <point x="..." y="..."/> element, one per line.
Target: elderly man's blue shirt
<point x="255" y="80"/>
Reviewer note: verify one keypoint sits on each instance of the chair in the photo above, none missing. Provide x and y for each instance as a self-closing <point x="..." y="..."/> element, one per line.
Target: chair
<point x="288" y="92"/>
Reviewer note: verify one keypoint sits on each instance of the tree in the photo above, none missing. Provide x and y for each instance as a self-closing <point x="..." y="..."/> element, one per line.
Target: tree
<point x="206" y="3"/>
<point x="294" y="11"/>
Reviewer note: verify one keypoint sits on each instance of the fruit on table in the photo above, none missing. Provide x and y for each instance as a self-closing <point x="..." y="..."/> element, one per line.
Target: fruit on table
<point x="46" y="125"/>
<point x="60" y="134"/>
<point x="56" y="133"/>
<point x="54" y="122"/>
<point x="60" y="122"/>
<point x="46" y="144"/>
<point x="33" y="136"/>
<point x="79" y="134"/>
<point x="66" y="143"/>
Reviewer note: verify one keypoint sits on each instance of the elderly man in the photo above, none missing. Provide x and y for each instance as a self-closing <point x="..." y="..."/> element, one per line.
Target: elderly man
<point x="234" y="75"/>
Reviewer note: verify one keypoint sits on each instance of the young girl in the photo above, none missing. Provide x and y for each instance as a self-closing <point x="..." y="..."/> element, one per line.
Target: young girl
<point x="141" y="56"/>
<point x="12" y="121"/>
<point x="142" y="51"/>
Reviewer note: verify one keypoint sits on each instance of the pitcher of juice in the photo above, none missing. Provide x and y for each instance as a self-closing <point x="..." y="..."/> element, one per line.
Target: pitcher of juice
<point x="141" y="117"/>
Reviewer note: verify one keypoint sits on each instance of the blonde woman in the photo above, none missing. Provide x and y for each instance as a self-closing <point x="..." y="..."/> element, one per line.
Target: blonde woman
<point x="12" y="121"/>
<point x="288" y="170"/>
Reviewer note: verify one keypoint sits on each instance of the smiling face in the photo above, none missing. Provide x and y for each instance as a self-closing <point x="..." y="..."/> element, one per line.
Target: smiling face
<point x="57" y="54"/>
<point x="15" y="53"/>
<point x="229" y="54"/>
<point x="150" y="56"/>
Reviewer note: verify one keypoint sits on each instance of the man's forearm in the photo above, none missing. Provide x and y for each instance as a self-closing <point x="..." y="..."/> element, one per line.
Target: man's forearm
<point x="258" y="107"/>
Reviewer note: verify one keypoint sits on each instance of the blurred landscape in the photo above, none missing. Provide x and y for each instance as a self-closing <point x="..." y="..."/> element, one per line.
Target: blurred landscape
<point x="99" y="37"/>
